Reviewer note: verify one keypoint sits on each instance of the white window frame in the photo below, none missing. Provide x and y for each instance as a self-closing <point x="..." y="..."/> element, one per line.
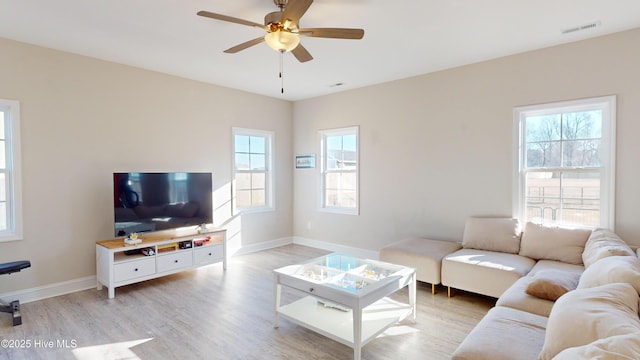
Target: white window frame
<point x="269" y="165"/>
<point x="607" y="169"/>
<point x="13" y="171"/>
<point x="323" y="170"/>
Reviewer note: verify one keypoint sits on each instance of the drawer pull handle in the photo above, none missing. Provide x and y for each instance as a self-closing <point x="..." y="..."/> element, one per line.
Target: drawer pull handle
<point x="136" y="269"/>
<point x="311" y="289"/>
<point x="175" y="261"/>
<point x="209" y="254"/>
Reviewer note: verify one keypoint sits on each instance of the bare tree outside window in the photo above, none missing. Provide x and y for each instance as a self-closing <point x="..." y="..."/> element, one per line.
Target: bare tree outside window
<point x="565" y="157"/>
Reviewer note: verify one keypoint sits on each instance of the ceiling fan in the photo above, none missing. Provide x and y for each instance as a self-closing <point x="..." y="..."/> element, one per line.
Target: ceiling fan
<point x="283" y="31"/>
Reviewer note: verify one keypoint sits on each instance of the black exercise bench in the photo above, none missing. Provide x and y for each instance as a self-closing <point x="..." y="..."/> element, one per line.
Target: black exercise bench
<point x="14" y="306"/>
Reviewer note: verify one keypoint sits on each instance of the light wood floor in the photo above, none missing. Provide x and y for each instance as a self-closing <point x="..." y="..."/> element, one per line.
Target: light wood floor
<point x="211" y="314"/>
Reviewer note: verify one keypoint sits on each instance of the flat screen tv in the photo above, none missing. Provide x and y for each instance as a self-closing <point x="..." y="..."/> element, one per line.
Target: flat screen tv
<point x="161" y="201"/>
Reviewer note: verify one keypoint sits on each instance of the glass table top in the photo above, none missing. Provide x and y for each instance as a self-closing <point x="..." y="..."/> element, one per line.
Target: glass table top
<point x="345" y="272"/>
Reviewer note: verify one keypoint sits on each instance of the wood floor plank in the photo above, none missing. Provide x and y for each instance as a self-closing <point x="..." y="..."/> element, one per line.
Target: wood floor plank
<point x="208" y="313"/>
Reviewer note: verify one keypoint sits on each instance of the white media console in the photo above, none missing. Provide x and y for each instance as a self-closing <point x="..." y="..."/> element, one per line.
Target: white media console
<point x="167" y="252"/>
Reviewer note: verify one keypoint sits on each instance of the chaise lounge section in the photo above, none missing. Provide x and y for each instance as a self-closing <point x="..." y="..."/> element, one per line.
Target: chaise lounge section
<point x="424" y="255"/>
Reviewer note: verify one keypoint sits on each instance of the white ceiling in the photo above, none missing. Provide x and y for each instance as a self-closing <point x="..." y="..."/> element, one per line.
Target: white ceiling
<point x="403" y="38"/>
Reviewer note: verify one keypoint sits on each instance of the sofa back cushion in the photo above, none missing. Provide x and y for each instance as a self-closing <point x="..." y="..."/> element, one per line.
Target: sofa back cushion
<point x="583" y="316"/>
<point x="614" y="269"/>
<point x="553" y="243"/>
<point x="612" y="348"/>
<point x="492" y="234"/>
<point x="604" y="243"/>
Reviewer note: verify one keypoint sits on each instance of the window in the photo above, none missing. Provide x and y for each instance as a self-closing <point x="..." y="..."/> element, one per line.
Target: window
<point x="566" y="163"/>
<point x="339" y="149"/>
<point x="10" y="175"/>
<point x="252" y="170"/>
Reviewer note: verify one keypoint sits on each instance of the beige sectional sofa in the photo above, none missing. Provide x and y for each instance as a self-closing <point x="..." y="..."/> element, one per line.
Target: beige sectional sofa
<point x="561" y="293"/>
<point x="564" y="294"/>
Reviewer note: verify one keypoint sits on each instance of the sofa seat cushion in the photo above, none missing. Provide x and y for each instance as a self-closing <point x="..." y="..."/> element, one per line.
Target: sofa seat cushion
<point x="493" y="234"/>
<point x="504" y="334"/>
<point x="614" y="269"/>
<point x="424" y="255"/>
<point x="585" y="315"/>
<point x="517" y="298"/>
<point x="604" y="243"/>
<point x="612" y="348"/>
<point x="484" y="272"/>
<point x="556" y="265"/>
<point x="553" y="243"/>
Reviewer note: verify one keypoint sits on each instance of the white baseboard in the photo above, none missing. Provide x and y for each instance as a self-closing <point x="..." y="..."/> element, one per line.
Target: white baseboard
<point x="66" y="287"/>
<point x="329" y="246"/>
<point x="318" y="244"/>
<point x="51" y="290"/>
<point x="265" y="245"/>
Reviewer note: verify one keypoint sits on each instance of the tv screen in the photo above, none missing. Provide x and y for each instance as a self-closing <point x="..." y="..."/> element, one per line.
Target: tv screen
<point x="161" y="201"/>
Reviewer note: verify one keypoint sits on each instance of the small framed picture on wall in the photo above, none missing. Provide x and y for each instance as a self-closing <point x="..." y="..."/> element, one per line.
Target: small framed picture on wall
<point x="305" y="161"/>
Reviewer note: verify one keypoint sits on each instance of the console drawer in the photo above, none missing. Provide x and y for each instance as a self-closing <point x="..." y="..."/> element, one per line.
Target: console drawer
<point x="133" y="269"/>
<point x="208" y="254"/>
<point x="174" y="261"/>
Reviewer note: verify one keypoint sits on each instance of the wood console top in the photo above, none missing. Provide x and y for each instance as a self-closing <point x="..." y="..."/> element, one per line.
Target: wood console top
<point x="166" y="235"/>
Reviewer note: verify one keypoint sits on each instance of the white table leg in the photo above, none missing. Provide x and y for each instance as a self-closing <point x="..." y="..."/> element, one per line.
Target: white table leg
<point x="412" y="295"/>
<point x="357" y="332"/>
<point x="276" y="322"/>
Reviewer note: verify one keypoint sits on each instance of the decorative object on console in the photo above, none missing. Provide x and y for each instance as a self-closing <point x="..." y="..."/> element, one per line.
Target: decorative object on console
<point x="202" y="228"/>
<point x="132" y="239"/>
<point x="201" y="241"/>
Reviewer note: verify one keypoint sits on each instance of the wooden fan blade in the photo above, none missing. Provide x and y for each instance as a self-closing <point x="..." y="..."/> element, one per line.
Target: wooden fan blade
<point x="294" y="10"/>
<point x="301" y="53"/>
<point x="230" y="19"/>
<point x="335" y="33"/>
<point x="244" y="45"/>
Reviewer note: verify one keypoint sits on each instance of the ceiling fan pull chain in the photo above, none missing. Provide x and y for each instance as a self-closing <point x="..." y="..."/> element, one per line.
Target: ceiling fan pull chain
<point x="281" y="72"/>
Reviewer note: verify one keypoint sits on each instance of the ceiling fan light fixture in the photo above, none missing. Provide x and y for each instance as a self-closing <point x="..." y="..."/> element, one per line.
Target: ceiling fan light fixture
<point x="282" y="40"/>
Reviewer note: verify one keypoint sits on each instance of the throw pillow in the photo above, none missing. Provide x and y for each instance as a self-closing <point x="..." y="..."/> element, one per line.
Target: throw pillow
<point x="604" y="243"/>
<point x="551" y="284"/>
<point x="553" y="243"/>
<point x="492" y="234"/>
<point x="614" y="269"/>
<point x="583" y="316"/>
<point x="611" y="348"/>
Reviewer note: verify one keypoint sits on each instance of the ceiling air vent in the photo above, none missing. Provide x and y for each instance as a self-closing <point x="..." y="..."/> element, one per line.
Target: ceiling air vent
<point x="592" y="25"/>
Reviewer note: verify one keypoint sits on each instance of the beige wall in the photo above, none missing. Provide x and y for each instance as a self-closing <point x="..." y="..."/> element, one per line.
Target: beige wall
<point x="438" y="148"/>
<point x="83" y="119"/>
<point x="434" y="149"/>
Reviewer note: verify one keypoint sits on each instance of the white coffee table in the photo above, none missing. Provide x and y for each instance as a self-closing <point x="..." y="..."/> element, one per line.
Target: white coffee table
<point x="346" y="297"/>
